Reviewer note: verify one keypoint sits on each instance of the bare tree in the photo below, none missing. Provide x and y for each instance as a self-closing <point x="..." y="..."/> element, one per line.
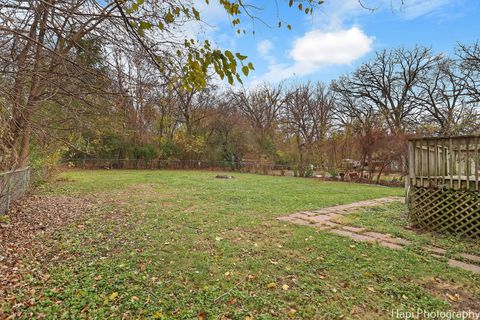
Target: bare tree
<point x="388" y="82"/>
<point x="261" y="106"/>
<point x="43" y="43"/>
<point x="307" y="118"/>
<point x="470" y="65"/>
<point x="360" y="118"/>
<point x="443" y="96"/>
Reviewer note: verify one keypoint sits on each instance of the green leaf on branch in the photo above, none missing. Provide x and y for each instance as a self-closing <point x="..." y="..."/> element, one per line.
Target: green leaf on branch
<point x="240" y="57"/>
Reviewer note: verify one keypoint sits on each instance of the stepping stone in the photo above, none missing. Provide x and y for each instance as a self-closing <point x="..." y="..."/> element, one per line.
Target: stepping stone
<point x="334" y="216"/>
<point x="301" y="222"/>
<point x="470" y="257"/>
<point x="390" y="245"/>
<point x="327" y="224"/>
<point x="287" y="218"/>
<point x="320" y="218"/>
<point x="378" y="235"/>
<point x="299" y="216"/>
<point x="435" y="250"/>
<point x="400" y="241"/>
<point x="323" y="227"/>
<point x="386" y="237"/>
<point x="464" y="266"/>
<point x="332" y="224"/>
<point x="353" y="236"/>
<point x="354" y="229"/>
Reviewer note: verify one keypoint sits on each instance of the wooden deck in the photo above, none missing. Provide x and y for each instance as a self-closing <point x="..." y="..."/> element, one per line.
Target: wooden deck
<point x="443" y="185"/>
<point x="455" y="182"/>
<point x="434" y="161"/>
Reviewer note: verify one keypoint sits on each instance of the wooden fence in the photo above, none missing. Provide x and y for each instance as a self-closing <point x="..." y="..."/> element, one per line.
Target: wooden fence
<point x="443" y="184"/>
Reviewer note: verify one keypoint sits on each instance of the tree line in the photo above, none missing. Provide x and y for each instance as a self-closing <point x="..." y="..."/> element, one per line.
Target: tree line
<point x="99" y="81"/>
<point x="366" y="115"/>
<point x="65" y="65"/>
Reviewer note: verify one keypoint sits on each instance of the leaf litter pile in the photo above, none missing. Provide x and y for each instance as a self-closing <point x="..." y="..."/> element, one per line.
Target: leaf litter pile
<point x="22" y="236"/>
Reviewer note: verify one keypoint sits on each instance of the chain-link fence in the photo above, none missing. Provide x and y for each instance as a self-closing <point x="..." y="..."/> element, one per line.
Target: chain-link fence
<point x="309" y="170"/>
<point x="174" y="164"/>
<point x="13" y="185"/>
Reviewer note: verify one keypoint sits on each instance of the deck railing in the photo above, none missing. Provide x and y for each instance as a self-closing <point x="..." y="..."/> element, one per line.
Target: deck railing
<point x="444" y="162"/>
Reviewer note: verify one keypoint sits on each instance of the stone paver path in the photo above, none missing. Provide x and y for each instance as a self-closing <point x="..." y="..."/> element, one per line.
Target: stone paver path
<point x="324" y="219"/>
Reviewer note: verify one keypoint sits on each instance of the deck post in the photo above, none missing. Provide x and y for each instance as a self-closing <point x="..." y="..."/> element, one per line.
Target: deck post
<point x="476" y="163"/>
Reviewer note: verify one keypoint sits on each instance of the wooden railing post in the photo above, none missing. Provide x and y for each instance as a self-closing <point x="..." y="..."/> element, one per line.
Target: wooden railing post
<point x="476" y="163"/>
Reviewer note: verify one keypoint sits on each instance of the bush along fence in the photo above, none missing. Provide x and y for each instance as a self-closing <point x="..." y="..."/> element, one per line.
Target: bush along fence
<point x="13" y="185"/>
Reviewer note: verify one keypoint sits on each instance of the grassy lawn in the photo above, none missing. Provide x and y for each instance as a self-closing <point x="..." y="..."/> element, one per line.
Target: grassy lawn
<point x="183" y="245"/>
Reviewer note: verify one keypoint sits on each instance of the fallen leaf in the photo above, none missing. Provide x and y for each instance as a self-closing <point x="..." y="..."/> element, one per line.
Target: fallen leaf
<point x="453" y="297"/>
<point x="271" y="285"/>
<point x="285" y="287"/>
<point x="371" y="289"/>
<point x="113" y="296"/>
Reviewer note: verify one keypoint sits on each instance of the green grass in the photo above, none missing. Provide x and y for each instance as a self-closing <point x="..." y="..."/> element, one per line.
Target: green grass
<point x="183" y="245"/>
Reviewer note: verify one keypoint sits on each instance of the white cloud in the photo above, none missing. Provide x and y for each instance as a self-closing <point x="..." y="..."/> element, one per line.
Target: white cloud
<point x="318" y="49"/>
<point x="264" y="47"/>
<point x="332" y="40"/>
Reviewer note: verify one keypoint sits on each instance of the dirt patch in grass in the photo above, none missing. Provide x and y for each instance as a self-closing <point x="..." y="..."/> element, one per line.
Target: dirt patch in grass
<point x="459" y="299"/>
<point x="30" y="220"/>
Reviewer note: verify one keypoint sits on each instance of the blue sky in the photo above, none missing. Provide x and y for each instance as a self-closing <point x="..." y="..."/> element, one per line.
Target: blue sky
<point x="341" y="34"/>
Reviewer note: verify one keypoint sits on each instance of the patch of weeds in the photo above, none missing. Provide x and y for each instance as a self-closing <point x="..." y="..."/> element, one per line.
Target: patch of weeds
<point x="4" y="219"/>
